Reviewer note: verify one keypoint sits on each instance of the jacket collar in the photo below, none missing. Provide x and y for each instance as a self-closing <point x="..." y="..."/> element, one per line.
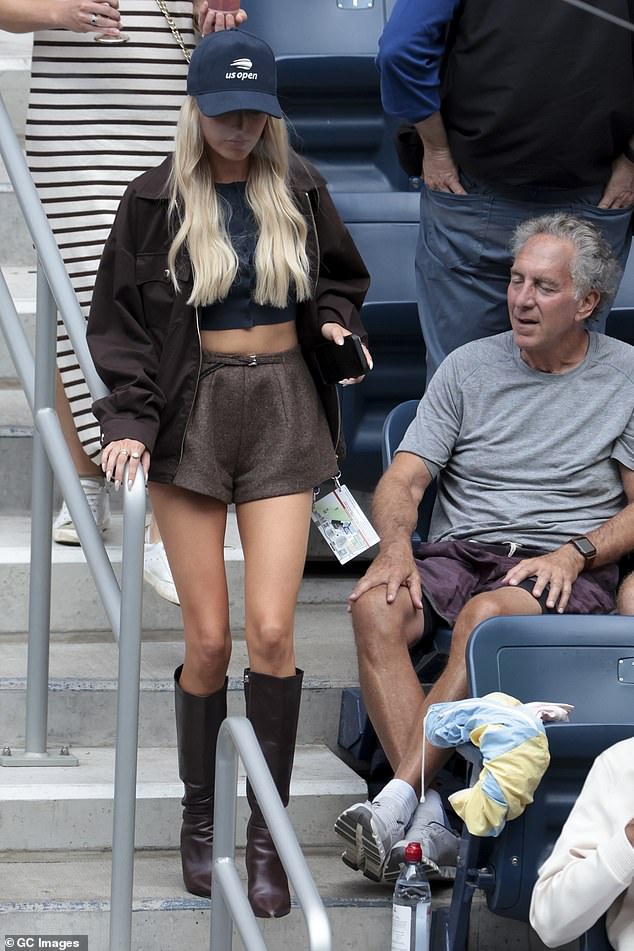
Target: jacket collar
<point x="153" y="183"/>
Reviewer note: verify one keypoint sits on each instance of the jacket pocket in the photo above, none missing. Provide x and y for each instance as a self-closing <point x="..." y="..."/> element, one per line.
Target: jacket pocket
<point x="156" y="287"/>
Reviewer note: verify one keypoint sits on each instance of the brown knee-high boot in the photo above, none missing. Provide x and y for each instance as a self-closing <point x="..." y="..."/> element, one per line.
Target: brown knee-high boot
<point x="198" y="720"/>
<point x="272" y="705"/>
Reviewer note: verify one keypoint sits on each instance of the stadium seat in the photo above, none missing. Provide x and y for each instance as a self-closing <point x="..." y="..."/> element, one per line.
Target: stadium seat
<point x="385" y="229"/>
<point x="394" y="428"/>
<point x="584" y="660"/>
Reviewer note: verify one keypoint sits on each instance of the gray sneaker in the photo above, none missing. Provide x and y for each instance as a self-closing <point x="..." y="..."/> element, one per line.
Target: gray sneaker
<point x="440" y="851"/>
<point x="370" y="829"/>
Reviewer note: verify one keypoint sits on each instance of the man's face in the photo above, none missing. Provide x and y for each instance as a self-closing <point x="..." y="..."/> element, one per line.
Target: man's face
<point x="541" y="297"/>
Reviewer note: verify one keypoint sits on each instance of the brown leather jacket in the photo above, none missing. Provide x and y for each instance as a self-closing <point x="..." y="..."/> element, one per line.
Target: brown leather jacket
<point x="144" y="338"/>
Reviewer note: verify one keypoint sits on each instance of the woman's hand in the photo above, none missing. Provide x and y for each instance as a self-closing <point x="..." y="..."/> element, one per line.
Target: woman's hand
<point x="210" y="20"/>
<point x="336" y="333"/>
<point x="117" y="453"/>
<point x="87" y="16"/>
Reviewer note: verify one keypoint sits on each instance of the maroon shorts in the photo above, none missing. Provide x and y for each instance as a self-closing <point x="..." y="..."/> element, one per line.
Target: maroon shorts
<point x="452" y="572"/>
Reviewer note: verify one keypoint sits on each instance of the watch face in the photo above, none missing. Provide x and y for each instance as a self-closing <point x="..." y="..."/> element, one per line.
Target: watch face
<point x="584" y="546"/>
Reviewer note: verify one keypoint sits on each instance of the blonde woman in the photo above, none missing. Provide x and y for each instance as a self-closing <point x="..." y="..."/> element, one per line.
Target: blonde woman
<point x="225" y="267"/>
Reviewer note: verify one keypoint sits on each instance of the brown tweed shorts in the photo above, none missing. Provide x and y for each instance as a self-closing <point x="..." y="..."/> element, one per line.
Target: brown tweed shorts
<point x="257" y="429"/>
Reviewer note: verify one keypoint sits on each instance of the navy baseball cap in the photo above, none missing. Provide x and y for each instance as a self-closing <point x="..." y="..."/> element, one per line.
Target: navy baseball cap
<point x="232" y="70"/>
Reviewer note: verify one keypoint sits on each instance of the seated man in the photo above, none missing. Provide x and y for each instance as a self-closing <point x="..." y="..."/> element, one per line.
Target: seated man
<point x="591" y="868"/>
<point x="531" y="436"/>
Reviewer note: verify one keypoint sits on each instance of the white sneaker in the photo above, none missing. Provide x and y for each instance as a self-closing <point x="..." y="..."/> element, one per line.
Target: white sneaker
<point x="157" y="571"/>
<point x="96" y="492"/>
<point x="439" y="846"/>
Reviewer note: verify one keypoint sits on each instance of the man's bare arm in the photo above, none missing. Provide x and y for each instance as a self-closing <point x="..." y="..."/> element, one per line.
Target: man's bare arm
<point x="395" y="513"/>
<point x="439" y="169"/>
<point x="560" y="568"/>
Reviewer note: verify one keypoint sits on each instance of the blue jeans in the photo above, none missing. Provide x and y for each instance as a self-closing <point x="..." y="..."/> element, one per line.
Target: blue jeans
<point x="463" y="261"/>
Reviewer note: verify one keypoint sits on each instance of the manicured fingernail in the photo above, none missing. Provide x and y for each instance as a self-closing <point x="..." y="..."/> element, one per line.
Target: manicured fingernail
<point x="116" y="485"/>
<point x="130" y="483"/>
<point x="108" y="475"/>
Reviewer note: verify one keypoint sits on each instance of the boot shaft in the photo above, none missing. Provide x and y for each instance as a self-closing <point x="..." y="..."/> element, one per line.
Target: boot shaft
<point x="272" y="706"/>
<point x="198" y="720"/>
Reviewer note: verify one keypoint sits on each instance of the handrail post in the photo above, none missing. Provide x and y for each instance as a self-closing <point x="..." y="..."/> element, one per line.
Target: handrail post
<point x="41" y="527"/>
<point x="41" y="542"/>
<point x="124" y="810"/>
<point x="229" y="902"/>
<point x="224" y="834"/>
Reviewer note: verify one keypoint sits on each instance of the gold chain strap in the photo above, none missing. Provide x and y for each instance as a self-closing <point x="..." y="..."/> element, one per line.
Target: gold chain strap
<point x="162" y="5"/>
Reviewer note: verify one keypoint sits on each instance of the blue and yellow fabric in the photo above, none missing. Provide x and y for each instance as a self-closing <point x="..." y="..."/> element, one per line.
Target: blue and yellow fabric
<point x="514" y="751"/>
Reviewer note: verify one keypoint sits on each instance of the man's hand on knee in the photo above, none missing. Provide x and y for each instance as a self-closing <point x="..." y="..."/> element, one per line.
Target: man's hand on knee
<point x="558" y="570"/>
<point x="394" y="568"/>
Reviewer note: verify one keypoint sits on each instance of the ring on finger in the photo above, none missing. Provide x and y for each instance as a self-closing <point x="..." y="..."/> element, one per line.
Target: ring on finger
<point x="123" y="452"/>
<point x="134" y="455"/>
<point x="93" y="19"/>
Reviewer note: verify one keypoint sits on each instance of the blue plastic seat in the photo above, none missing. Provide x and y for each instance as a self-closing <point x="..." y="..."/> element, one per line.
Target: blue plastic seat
<point x="584" y="660"/>
<point x="394" y="428"/>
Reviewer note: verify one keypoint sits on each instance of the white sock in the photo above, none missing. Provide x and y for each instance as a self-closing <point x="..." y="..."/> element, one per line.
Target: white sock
<point x="401" y="795"/>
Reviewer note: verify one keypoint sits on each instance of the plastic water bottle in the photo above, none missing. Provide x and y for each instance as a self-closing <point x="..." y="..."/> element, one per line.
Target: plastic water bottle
<point x="411" y="905"/>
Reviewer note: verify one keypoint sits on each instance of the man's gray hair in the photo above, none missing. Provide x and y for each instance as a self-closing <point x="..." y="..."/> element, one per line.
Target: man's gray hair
<point x="593" y="267"/>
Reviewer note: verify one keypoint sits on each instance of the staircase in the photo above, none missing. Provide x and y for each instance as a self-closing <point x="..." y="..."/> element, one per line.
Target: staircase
<point x="56" y="822"/>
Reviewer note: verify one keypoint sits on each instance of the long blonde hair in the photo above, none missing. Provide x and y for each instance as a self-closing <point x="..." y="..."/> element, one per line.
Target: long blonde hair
<point x="281" y="262"/>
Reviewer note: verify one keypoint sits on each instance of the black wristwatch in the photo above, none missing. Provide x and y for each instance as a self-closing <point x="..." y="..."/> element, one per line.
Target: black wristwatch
<point x="585" y="547"/>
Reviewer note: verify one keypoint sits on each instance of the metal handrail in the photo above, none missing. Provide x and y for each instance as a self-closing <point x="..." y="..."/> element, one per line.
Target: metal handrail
<point x="228" y="900"/>
<point x="123" y="604"/>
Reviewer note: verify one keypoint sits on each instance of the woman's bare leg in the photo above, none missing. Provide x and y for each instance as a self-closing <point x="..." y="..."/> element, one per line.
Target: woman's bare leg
<point x="193" y="531"/>
<point x="274" y="534"/>
<point x="83" y="464"/>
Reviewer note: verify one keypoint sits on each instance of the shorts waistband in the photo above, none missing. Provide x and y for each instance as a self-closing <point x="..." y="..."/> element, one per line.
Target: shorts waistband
<point x="510" y="549"/>
<point x="251" y="360"/>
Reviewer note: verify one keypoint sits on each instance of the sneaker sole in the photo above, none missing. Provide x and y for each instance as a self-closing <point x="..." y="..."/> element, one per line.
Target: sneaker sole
<point x="348" y="829"/>
<point x="164" y="590"/>
<point x="68" y="536"/>
<point x="373" y="850"/>
<point x="435" y="873"/>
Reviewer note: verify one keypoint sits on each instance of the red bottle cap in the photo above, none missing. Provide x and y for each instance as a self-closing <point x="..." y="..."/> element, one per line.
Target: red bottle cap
<point x="413" y="852"/>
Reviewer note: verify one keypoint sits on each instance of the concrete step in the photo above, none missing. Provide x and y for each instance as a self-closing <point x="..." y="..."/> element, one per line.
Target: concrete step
<point x="15" y="71"/>
<point x="16" y="244"/>
<point x="83" y="688"/>
<point x="71" y="807"/>
<point x="68" y="893"/>
<point x="21" y="282"/>
<point x="76" y="605"/>
<point x="16" y="247"/>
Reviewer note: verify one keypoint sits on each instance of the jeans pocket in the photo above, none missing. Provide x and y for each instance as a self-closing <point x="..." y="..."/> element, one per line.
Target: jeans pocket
<point x="454" y="226"/>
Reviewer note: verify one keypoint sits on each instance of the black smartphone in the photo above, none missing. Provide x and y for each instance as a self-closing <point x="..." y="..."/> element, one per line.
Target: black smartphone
<point x="335" y="362"/>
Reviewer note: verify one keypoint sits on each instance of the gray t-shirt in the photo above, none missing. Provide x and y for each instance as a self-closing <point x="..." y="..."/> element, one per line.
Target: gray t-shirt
<point x="522" y="455"/>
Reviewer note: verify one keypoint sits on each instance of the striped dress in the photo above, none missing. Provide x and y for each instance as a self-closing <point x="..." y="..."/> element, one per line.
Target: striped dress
<point x="98" y="116"/>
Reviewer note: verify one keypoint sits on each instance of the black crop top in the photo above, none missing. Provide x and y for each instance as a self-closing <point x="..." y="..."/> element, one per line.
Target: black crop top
<point x="238" y="311"/>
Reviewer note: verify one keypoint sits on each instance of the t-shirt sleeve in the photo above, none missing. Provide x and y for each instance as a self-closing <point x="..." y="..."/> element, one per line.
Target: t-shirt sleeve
<point x="433" y="433"/>
<point x="411" y="51"/>
<point x="623" y="450"/>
